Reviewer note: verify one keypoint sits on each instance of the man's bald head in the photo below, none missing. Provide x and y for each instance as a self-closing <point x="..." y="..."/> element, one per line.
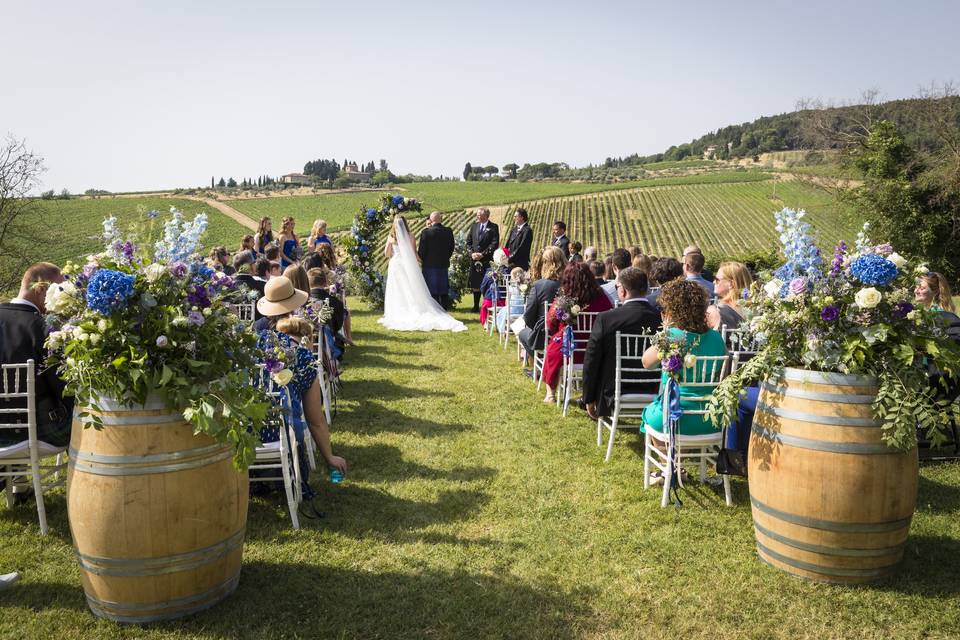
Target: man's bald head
<point x="436" y="217"/>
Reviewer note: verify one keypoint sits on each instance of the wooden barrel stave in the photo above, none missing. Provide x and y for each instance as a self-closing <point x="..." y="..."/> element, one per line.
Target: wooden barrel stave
<point x="157" y="516"/>
<point x="830" y="501"/>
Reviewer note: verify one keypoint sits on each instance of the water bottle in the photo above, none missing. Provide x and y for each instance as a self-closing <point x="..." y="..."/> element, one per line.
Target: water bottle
<point x="336" y="477"/>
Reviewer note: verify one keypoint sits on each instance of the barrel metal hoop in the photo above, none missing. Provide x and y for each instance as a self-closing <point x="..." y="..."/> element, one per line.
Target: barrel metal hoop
<point x="803" y="416"/>
<point x="828" y="571"/>
<point x="136" y="421"/>
<point x="101" y="470"/>
<point x="824" y="377"/>
<point x="841" y="398"/>
<point x="160" y="565"/>
<point x="830" y="525"/>
<point x="153" y="403"/>
<point x="206" y="599"/>
<point x="828" y="551"/>
<point x="857" y="448"/>
<point x="83" y="456"/>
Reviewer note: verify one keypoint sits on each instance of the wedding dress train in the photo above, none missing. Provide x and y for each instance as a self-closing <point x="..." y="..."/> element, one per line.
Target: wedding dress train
<point x="407" y="304"/>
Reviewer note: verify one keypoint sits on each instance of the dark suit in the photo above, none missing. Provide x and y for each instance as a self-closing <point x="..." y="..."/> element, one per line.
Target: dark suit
<point x="518" y="244"/>
<point x="435" y="248"/>
<point x="540" y="291"/>
<point x="564" y="243"/>
<point x="336" y="305"/>
<point x="22" y="334"/>
<point x="485" y="243"/>
<point x="252" y="284"/>
<point x="600" y="361"/>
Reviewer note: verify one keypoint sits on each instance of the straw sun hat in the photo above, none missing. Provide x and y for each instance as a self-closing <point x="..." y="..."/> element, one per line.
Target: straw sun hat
<point x="280" y="297"/>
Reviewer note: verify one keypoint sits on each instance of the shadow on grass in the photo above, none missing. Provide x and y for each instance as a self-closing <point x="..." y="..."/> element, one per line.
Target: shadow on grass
<point x="930" y="567"/>
<point x="937" y="497"/>
<point x="39" y="596"/>
<point x="382" y="462"/>
<point x="24" y="515"/>
<point x="371" y="359"/>
<point x="281" y="599"/>
<point x="373" y="418"/>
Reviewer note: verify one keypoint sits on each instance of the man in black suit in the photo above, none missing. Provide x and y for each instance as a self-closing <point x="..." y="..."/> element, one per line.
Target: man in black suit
<point x="634" y="315"/>
<point x="560" y="238"/>
<point x="520" y="241"/>
<point x="435" y="248"/>
<point x="531" y="337"/>
<point x="22" y="336"/>
<point x="319" y="290"/>
<point x="482" y="241"/>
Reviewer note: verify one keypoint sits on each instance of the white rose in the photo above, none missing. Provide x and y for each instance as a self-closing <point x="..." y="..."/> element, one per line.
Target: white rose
<point x="102" y="325"/>
<point x="868" y="298"/>
<point x="155" y="271"/>
<point x="897" y="259"/>
<point x="207" y="311"/>
<point x="54" y="339"/>
<point x="921" y="269"/>
<point x="575" y="309"/>
<point x="689" y="360"/>
<point x="283" y="377"/>
<point x="94" y="338"/>
<point x="772" y="288"/>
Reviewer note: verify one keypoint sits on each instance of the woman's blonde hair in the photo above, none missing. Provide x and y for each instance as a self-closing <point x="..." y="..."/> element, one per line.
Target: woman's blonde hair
<point x="554" y="262"/>
<point x="298" y="277"/>
<point x="942" y="294"/>
<point x="643" y="263"/>
<point x="246" y="243"/>
<point x="315" y="231"/>
<point x="295" y="326"/>
<point x="739" y="275"/>
<point x="287" y="221"/>
<point x="536" y="267"/>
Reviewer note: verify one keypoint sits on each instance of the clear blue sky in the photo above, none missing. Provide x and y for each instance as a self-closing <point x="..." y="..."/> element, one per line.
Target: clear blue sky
<point x="138" y="95"/>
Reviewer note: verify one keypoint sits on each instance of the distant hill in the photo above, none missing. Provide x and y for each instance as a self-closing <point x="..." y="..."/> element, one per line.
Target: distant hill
<point x="791" y="131"/>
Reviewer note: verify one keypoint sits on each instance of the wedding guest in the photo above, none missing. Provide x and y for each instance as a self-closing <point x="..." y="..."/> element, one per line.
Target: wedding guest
<point x="328" y="258"/>
<point x="634" y="251"/>
<point x="542" y="290"/>
<point x="483" y="239"/>
<point x="219" y="260"/>
<point x="663" y="271"/>
<point x="289" y="243"/>
<point x="732" y="279"/>
<point x="598" y="271"/>
<point x="933" y="291"/>
<point x="280" y="300"/>
<point x="590" y="254"/>
<point x="693" y="271"/>
<point x="579" y="285"/>
<point x="272" y="253"/>
<point x="23" y="332"/>
<point x="313" y="260"/>
<point x="619" y="260"/>
<point x="684" y="308"/>
<point x="246" y="244"/>
<point x="275" y="270"/>
<point x="634" y="316"/>
<point x="318" y="236"/>
<point x="490" y="284"/>
<point x="575" y="248"/>
<point x="516" y="307"/>
<point x="261" y="270"/>
<point x="298" y="276"/>
<point x="536" y="268"/>
<point x="560" y="238"/>
<point x="707" y="274"/>
<point x="520" y="240"/>
<point x="328" y="255"/>
<point x="243" y="264"/>
<point x="320" y="290"/>
<point x="642" y="262"/>
<point x="264" y="236"/>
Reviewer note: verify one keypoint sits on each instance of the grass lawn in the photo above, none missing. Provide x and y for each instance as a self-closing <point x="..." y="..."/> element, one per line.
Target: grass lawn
<point x="472" y="510"/>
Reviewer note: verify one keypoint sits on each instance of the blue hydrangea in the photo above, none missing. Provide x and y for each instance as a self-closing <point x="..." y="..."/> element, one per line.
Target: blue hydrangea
<point x="371" y="214"/>
<point x="397" y="200"/>
<point x="873" y="269"/>
<point x="109" y="290"/>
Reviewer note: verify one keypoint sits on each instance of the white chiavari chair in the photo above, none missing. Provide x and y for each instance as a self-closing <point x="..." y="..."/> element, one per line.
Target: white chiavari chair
<point x="22" y="464"/>
<point x="538" y="356"/>
<point x="741" y="346"/>
<point x="571" y="375"/>
<point x="244" y="311"/>
<point x="630" y="374"/>
<point x="704" y="376"/>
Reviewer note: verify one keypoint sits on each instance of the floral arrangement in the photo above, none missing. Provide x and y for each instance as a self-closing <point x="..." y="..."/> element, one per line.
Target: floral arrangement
<point x="318" y="312"/>
<point x="460" y="265"/>
<point x="137" y="320"/>
<point x="365" y="276"/>
<point x="854" y="315"/>
<point x="675" y="353"/>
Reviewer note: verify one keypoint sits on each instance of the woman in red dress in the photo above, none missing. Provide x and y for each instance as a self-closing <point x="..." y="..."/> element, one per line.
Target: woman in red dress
<point x="578" y="283"/>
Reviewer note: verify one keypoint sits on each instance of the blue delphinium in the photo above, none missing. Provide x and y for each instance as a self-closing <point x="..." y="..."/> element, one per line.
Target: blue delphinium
<point x="873" y="269"/>
<point x="180" y="241"/>
<point x="109" y="290"/>
<point x="803" y="256"/>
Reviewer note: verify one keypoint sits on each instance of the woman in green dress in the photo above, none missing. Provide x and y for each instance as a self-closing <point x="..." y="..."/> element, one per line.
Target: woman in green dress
<point x="683" y="304"/>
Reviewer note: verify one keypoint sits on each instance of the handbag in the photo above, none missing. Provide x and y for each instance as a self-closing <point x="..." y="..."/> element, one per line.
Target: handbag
<point x="730" y="462"/>
<point x="518" y="325"/>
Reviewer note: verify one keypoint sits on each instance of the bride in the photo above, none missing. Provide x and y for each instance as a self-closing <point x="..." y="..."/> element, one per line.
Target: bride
<point x="407" y="304"/>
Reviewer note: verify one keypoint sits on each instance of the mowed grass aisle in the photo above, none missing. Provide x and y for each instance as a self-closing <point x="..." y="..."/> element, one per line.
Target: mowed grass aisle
<point x="472" y="510"/>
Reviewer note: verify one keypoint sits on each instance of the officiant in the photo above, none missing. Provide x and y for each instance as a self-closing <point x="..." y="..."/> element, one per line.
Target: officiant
<point x="482" y="241"/>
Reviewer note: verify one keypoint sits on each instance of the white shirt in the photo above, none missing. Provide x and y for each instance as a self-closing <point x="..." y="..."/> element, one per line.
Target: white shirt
<point x="26" y="302"/>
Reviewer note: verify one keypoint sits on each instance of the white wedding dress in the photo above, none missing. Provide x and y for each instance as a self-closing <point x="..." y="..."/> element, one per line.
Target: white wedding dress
<point x="407" y="304"/>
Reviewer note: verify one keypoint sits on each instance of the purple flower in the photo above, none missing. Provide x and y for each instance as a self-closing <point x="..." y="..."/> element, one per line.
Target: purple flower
<point x="901" y="310"/>
<point x="178" y="269"/>
<point x="195" y="318"/>
<point x="272" y="364"/>
<point x="197" y="296"/>
<point x="672" y="364"/>
<point x="153" y="213"/>
<point x="838" y="256"/>
<point x="128" y="249"/>
<point x="830" y="313"/>
<point x="798" y="286"/>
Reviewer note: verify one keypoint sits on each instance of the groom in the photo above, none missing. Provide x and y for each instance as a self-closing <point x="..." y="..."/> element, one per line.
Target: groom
<point x="435" y="248"/>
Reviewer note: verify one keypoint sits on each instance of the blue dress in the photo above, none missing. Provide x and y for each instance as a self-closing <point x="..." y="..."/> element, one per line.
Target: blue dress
<point x="711" y="344"/>
<point x="304" y="373"/>
<point x="321" y="240"/>
<point x="290" y="248"/>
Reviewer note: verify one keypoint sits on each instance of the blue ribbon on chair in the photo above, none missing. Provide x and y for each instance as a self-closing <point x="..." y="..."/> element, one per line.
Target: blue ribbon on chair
<point x="568" y="342"/>
<point x="674" y="413"/>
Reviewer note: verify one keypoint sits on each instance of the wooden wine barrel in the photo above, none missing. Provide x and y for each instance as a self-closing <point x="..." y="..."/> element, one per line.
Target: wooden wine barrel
<point x="831" y="502"/>
<point x="157" y="514"/>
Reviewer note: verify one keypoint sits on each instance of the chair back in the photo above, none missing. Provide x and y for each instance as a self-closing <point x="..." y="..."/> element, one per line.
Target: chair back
<point x="244" y="311"/>
<point x="702" y="377"/>
<point x="582" y="326"/>
<point x="740" y="345"/>
<point x="630" y="369"/>
<point x="18" y="398"/>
